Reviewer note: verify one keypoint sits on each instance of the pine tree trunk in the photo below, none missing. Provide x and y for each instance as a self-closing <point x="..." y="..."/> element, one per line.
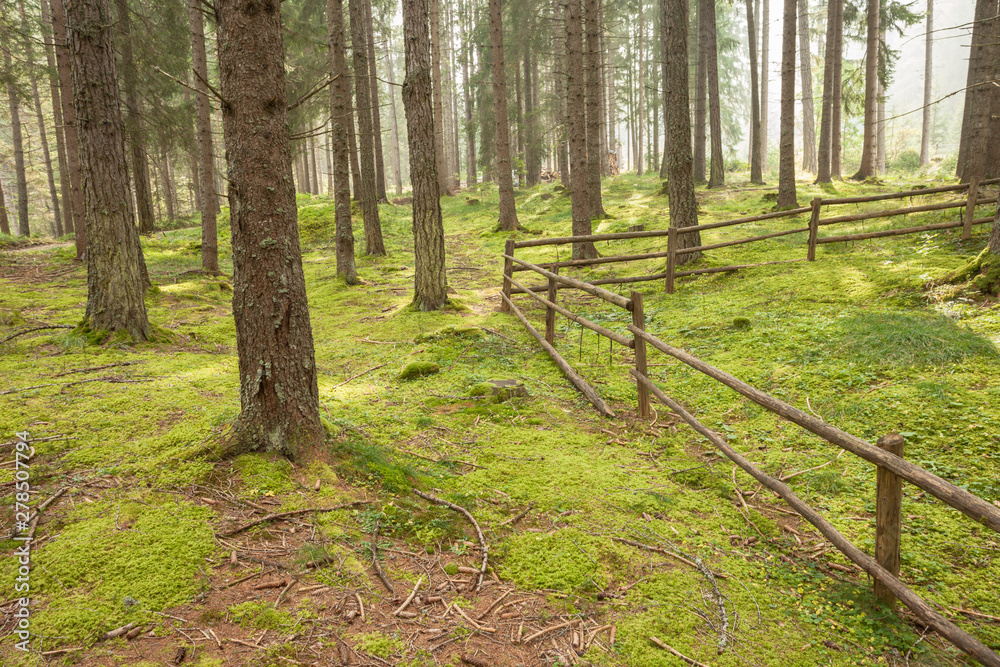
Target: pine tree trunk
<point x="562" y="144"/>
<point x="470" y="128"/>
<point x="279" y="397"/>
<point x="42" y="134"/>
<point x="133" y="123"/>
<point x="640" y="101"/>
<point x="765" y="77"/>
<point x="442" y="170"/>
<point x="677" y="121"/>
<point x="192" y="148"/>
<point x="455" y="159"/>
<point x="4" y="221"/>
<point x="880" y="131"/>
<point x="826" y="124"/>
<point x="519" y="124"/>
<point x="756" y="177"/>
<point x="352" y="143"/>
<point x="808" y="111"/>
<point x="66" y="222"/>
<point x="577" y="128"/>
<point x="531" y="148"/>
<point x="63" y="62"/>
<point x="340" y="112"/>
<point x="206" y="153"/>
<point x="973" y="162"/>
<point x="116" y="284"/>
<point x="869" y="145"/>
<point x="595" y="200"/>
<point x="925" y="128"/>
<point x="701" y="91"/>
<point x="380" y="193"/>
<point x="374" y="245"/>
<point x="430" y="281"/>
<point x="505" y="180"/>
<point x="168" y="192"/>
<point x="837" y="107"/>
<point x="717" y="173"/>
<point x="397" y="168"/>
<point x="328" y="152"/>
<point x="603" y="97"/>
<point x="786" y="160"/>
<point x="18" y="143"/>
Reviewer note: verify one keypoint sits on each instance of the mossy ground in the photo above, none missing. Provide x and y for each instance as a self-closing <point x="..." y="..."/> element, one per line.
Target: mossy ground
<point x="869" y="337"/>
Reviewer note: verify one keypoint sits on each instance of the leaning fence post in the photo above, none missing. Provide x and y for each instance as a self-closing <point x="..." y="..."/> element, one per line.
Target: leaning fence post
<point x="508" y="271"/>
<point x="888" y="509"/>
<point x="550" y="313"/>
<point x="970" y="208"/>
<point x="814" y="228"/>
<point x="671" y="257"/>
<point x="639" y="322"/>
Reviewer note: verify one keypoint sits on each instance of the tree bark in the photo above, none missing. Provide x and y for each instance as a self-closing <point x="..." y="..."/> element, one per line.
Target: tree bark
<point x="677" y="124"/>
<point x="701" y="92"/>
<point x="531" y="138"/>
<point x="435" y="35"/>
<point x="279" y="397"/>
<point x="191" y="141"/>
<point x="869" y="145"/>
<point x="974" y="161"/>
<point x="595" y="200"/>
<point x="133" y="122"/>
<point x="786" y="161"/>
<point x="640" y="100"/>
<point x="717" y="173"/>
<point x="808" y="111"/>
<point x="66" y="222"/>
<point x="519" y="124"/>
<point x="168" y="190"/>
<point x="470" y="128"/>
<point x="505" y="180"/>
<point x="826" y="123"/>
<point x="116" y="283"/>
<point x="755" y="172"/>
<point x="430" y="281"/>
<point x="374" y="245"/>
<point x="352" y="144"/>
<point x="340" y="112"/>
<point x="206" y="157"/>
<point x="369" y="26"/>
<point x="63" y="61"/>
<point x="17" y="140"/>
<point x="562" y="144"/>
<point x="925" y="128"/>
<point x="576" y="104"/>
<point x="42" y="134"/>
<point x="837" y="106"/>
<point x="765" y="77"/>
<point x="397" y="170"/>
<point x="4" y="221"/>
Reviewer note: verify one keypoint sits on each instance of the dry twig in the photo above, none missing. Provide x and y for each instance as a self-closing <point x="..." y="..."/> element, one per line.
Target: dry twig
<point x="479" y="531"/>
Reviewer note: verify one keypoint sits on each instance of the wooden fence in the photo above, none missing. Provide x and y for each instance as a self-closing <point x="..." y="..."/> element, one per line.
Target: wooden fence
<point x="675" y="250"/>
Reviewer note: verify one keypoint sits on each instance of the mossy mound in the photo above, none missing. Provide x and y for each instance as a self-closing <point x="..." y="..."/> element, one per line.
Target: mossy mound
<point x="983" y="271"/>
<point x="742" y="323"/>
<point x="498" y="390"/>
<point x="416" y="369"/>
<point x="468" y="333"/>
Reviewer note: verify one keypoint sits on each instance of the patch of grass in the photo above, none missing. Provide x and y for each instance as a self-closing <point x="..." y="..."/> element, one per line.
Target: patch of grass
<point x="902" y="339"/>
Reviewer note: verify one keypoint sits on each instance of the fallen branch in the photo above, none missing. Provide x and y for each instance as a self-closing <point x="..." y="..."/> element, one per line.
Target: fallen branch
<point x="282" y="515"/>
<point x="665" y="552"/>
<point x="545" y="631"/>
<point x="719" y="601"/>
<point x="354" y="377"/>
<point x="42" y="328"/>
<point x="94" y="368"/>
<point x="785" y="478"/>
<point x="413" y="594"/>
<point x="479" y="531"/>
<point x="378" y="565"/>
<point x="690" y="661"/>
<point x="117" y="633"/>
<point x="520" y="516"/>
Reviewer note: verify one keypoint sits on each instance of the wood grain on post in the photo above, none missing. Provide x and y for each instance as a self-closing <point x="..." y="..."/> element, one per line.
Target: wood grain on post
<point x="970" y="208"/>
<point x="671" y="258"/>
<point x="814" y="228"/>
<point x="888" y="511"/>
<point x="550" y="313"/>
<point x="508" y="270"/>
<point x="639" y="321"/>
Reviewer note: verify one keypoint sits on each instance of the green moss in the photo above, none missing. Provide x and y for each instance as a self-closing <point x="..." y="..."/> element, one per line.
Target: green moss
<point x="416" y="369"/>
<point x="742" y="323"/>
<point x="466" y="332"/>
<point x="568" y="560"/>
<point x="266" y="474"/>
<point x="481" y="389"/>
<point x="379" y="644"/>
<point x="261" y="615"/>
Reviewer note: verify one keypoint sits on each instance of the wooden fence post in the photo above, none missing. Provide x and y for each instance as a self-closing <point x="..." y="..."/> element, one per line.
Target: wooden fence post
<point x="888" y="509"/>
<point x="550" y="313"/>
<point x="671" y="257"/>
<point x="814" y="228"/>
<point x="970" y="208"/>
<point x="639" y="322"/>
<point x="508" y="271"/>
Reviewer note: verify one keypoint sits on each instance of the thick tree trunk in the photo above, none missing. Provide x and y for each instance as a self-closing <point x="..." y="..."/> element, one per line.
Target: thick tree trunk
<point x="531" y="139"/>
<point x="576" y="104"/>
<point x="869" y="145"/>
<point x="191" y="141"/>
<point x="380" y="193"/>
<point x="63" y="62"/>
<point x="756" y="177"/>
<point x="17" y="140"/>
<point x="595" y="200"/>
<point x="519" y="124"/>
<point x="925" y="128"/>
<point x="677" y="122"/>
<point x="116" y="283"/>
<point x="352" y="144"/>
<point x="397" y="168"/>
<point x="206" y="157"/>
<point x="786" y="160"/>
<point x="701" y="91"/>
<point x="641" y="98"/>
<point x="765" y="77"/>
<point x="340" y="112"/>
<point x="279" y="397"/>
<point x="374" y="245"/>
<point x="562" y="144"/>
<point x="168" y="190"/>
<point x="42" y="134"/>
<point x="837" y="106"/>
<point x="974" y="162"/>
<point x="435" y="34"/>
<point x="808" y="111"/>
<point x="430" y="281"/>
<point x="717" y="173"/>
<point x="826" y="123"/>
<point x="505" y="180"/>
<point x="65" y="225"/>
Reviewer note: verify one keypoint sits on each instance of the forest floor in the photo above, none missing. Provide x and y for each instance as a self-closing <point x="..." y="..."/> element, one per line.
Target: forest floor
<point x="145" y="530"/>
